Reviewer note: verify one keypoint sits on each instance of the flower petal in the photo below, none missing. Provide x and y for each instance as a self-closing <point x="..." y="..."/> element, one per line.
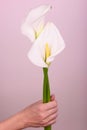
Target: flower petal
<point x="50" y="35"/>
<point x="35" y="56"/>
<point x="34" y="21"/>
<point x="37" y="13"/>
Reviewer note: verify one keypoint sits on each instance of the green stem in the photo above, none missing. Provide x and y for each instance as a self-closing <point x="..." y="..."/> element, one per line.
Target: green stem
<point x="46" y="91"/>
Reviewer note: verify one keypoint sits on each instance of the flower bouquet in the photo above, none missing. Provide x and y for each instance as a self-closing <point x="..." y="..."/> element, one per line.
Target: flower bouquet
<point x="47" y="43"/>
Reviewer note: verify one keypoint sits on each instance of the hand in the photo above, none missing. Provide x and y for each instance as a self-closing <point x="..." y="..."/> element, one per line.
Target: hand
<point x="40" y="114"/>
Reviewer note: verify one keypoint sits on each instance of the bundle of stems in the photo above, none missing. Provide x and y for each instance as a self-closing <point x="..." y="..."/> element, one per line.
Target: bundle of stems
<point x="46" y="91"/>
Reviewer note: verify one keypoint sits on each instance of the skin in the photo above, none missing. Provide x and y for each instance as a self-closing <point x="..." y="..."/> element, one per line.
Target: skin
<point x="38" y="114"/>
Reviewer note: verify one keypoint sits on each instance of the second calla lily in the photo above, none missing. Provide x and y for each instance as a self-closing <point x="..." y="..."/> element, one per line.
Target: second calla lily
<point x="35" y="22"/>
<point x="46" y="46"/>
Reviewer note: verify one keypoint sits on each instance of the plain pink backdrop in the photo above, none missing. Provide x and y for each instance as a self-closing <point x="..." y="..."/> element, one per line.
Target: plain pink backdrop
<point x="21" y="81"/>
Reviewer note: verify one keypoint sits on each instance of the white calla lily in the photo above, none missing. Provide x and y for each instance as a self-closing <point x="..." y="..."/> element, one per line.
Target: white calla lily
<point x="46" y="46"/>
<point x="35" y="22"/>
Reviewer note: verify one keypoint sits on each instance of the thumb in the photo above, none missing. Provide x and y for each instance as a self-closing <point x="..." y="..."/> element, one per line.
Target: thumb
<point x="52" y="98"/>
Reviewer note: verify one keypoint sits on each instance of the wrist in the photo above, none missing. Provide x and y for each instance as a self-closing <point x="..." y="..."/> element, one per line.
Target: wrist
<point x="12" y="123"/>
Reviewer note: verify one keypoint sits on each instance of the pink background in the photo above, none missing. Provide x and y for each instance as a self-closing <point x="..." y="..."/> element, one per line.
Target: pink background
<point x="21" y="81"/>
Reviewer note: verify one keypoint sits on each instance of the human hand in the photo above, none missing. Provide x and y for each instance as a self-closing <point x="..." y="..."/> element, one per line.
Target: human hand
<point x="40" y="114"/>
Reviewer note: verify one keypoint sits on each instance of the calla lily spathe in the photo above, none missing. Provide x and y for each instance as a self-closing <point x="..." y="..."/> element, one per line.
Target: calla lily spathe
<point x="46" y="46"/>
<point x="35" y="22"/>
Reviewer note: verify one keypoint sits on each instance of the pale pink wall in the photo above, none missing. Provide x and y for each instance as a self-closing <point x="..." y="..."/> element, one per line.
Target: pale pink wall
<point x="21" y="81"/>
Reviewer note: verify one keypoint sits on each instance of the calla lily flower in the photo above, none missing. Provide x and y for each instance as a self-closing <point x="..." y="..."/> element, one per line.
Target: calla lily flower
<point x="46" y="46"/>
<point x="35" y="22"/>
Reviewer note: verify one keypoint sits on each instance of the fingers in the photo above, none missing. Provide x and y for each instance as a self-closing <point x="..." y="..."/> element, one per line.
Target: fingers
<point x="51" y="119"/>
<point x="51" y="114"/>
<point x="49" y="123"/>
<point x="52" y="97"/>
<point x="50" y="105"/>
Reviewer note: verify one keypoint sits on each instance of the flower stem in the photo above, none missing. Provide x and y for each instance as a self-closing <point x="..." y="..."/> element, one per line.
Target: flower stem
<point x="46" y="91"/>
